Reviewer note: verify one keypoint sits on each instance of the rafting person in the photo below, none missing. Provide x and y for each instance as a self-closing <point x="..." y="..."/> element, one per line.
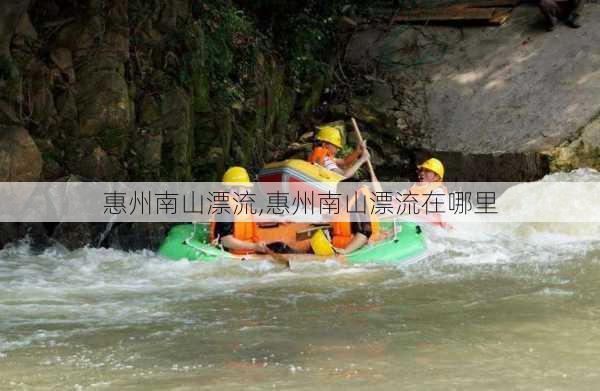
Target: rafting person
<point x="240" y="236"/>
<point x="348" y="236"/>
<point x="328" y="142"/>
<point x="430" y="193"/>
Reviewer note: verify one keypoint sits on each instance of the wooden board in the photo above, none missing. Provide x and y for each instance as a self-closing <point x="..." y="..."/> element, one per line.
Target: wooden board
<point x="493" y="12"/>
<point x="475" y="14"/>
<point x="286" y="233"/>
<point x="490" y="3"/>
<point x="499" y="18"/>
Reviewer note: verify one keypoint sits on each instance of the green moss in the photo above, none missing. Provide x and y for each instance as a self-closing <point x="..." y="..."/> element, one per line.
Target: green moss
<point x="201" y="89"/>
<point x="197" y="72"/>
<point x="114" y="140"/>
<point x="285" y="110"/>
<point x="570" y="157"/>
<point x="226" y="141"/>
<point x="218" y="54"/>
<point x="49" y="155"/>
<point x="8" y="69"/>
<point x="9" y="72"/>
<point x="313" y="98"/>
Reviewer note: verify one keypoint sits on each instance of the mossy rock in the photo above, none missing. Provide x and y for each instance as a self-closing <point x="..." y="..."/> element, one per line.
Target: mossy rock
<point x="114" y="140"/>
<point x="10" y="80"/>
<point x="85" y="157"/>
<point x="8" y="68"/>
<point x="102" y="101"/>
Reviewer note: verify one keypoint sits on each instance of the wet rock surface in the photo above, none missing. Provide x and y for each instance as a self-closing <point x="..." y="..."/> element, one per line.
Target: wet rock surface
<point x="515" y="88"/>
<point x="583" y="150"/>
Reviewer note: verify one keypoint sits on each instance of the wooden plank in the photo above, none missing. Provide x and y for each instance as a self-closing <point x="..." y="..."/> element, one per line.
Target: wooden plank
<point x="465" y="5"/>
<point x="500" y="18"/>
<point x="490" y="3"/>
<point x="454" y="14"/>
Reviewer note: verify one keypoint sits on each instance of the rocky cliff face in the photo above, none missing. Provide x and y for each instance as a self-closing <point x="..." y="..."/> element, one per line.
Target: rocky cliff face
<point x="138" y="90"/>
<point x="178" y="90"/>
<point x="149" y="90"/>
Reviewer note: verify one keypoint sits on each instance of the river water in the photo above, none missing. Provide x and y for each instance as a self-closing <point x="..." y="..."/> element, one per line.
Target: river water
<point x="503" y="307"/>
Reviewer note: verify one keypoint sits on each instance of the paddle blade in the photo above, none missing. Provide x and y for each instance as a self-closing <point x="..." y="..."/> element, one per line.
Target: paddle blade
<point x="279" y="258"/>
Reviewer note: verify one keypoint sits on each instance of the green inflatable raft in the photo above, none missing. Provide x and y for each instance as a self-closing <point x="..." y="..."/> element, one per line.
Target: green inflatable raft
<point x="406" y="245"/>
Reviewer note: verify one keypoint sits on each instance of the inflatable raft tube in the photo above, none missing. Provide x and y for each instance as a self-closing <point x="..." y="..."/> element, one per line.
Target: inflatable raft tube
<point x="190" y="241"/>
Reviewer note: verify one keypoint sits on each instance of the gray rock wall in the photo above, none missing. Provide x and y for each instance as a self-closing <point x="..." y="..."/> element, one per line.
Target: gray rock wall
<point x="505" y="97"/>
<point x="515" y="88"/>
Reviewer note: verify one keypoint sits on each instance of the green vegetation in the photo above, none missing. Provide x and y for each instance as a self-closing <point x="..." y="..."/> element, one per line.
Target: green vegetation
<point x="8" y="71"/>
<point x="253" y="68"/>
<point x="219" y="48"/>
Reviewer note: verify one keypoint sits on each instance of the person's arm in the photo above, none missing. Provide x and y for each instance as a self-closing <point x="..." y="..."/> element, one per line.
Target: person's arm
<point x="358" y="240"/>
<point x="224" y="233"/>
<point x="349" y="172"/>
<point x="361" y="231"/>
<point x="348" y="160"/>
<point x="232" y="243"/>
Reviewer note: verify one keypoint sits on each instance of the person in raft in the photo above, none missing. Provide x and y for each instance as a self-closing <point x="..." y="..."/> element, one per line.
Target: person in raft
<point x="328" y="142"/>
<point x="348" y="236"/>
<point x="240" y="235"/>
<point x="430" y="193"/>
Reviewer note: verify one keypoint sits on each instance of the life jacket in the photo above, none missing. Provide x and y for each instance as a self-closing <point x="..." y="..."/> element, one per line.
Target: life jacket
<point x="422" y="192"/>
<point x="342" y="227"/>
<point x="318" y="155"/>
<point x="244" y="228"/>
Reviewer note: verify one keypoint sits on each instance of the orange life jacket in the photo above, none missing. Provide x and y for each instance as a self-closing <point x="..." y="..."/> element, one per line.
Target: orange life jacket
<point x="342" y="227"/>
<point x="244" y="228"/>
<point x="421" y="192"/>
<point x="318" y="155"/>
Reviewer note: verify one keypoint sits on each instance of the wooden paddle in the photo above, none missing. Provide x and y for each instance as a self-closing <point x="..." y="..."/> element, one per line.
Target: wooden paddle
<point x="360" y="140"/>
<point x="279" y="258"/>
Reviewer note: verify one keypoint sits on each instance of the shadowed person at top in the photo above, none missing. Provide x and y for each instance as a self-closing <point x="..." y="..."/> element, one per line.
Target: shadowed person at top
<point x="566" y="10"/>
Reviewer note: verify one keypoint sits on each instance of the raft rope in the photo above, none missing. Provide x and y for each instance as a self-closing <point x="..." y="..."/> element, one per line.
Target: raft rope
<point x="215" y="242"/>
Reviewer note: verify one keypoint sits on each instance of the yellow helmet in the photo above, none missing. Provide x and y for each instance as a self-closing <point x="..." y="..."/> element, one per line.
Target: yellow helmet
<point x="330" y="135"/>
<point x="320" y="244"/>
<point x="237" y="176"/>
<point x="434" y="165"/>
